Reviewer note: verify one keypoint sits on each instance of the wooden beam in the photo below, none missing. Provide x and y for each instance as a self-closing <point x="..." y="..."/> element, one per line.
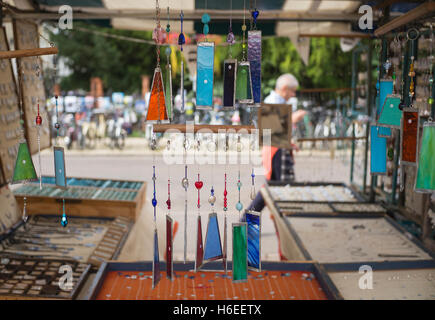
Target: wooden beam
<point x="28" y="53"/>
<point x="330" y="139"/>
<point x="425" y="9"/>
<point x="204" y="128"/>
<point x="335" y="35"/>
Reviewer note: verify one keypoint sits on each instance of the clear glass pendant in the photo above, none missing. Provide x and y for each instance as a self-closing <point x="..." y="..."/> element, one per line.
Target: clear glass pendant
<point x="204" y="75"/>
<point x="230" y="71"/>
<point x="243" y="83"/>
<point x="254" y="58"/>
<point x="24" y="170"/>
<point x="156" y="105"/>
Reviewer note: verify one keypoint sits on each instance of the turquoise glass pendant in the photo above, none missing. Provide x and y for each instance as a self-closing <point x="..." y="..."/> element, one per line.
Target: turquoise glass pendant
<point x="240" y="252"/>
<point x="254" y="58"/>
<point x="59" y="167"/>
<point x="253" y="220"/>
<point x="386" y="88"/>
<point x="378" y="152"/>
<point x="24" y="170"/>
<point x="425" y="180"/>
<point x="384" y="132"/>
<point x="213" y="247"/>
<point x="156" y="261"/>
<point x="230" y="70"/>
<point x="199" y="248"/>
<point x="391" y="115"/>
<point x="204" y="75"/>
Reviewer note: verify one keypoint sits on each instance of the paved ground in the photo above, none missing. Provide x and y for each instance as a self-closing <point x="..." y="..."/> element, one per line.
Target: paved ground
<point x="135" y="163"/>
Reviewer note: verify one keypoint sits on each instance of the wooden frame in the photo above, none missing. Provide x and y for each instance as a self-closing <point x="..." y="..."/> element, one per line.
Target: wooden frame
<point x="310" y="266"/>
<point x="284" y="113"/>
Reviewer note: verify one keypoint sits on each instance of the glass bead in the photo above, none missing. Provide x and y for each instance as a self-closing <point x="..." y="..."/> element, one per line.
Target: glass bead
<point x="154" y="202"/>
<point x="225" y="193"/>
<point x="212" y="200"/>
<point x="239" y="206"/>
<point x="64" y="221"/>
<point x="225" y="208"/>
<point x="185" y="183"/>
<point x="244" y="45"/>
<point x="38" y="120"/>
<point x="168" y="203"/>
<point x="159" y="35"/>
<point x="430" y="100"/>
<point x="181" y="39"/>
<point x="231" y="39"/>
<point x="255" y="14"/>
<point x="168" y="28"/>
<point x="244" y="27"/>
<point x="239" y="184"/>
<point x="57" y="125"/>
<point x="168" y="50"/>
<point x="198" y="185"/>
<point x="205" y="18"/>
<point x="431" y="80"/>
<point x="206" y="29"/>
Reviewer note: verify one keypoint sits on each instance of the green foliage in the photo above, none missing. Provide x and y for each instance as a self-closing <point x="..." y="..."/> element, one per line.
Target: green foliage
<point x="121" y="63"/>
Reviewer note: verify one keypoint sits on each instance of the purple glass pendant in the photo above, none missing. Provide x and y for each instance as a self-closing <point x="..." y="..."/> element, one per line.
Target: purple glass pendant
<point x="231" y="39"/>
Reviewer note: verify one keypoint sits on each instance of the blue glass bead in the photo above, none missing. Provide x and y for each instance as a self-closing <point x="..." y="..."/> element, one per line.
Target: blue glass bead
<point x="255" y="14"/>
<point x="64" y="221"/>
<point x="225" y="208"/>
<point x="168" y="50"/>
<point x="239" y="206"/>
<point x="252" y="175"/>
<point x="154" y="202"/>
<point x="205" y="18"/>
<point x="206" y="29"/>
<point x="168" y="28"/>
<point x="377" y="85"/>
<point x="212" y="191"/>
<point x="181" y="39"/>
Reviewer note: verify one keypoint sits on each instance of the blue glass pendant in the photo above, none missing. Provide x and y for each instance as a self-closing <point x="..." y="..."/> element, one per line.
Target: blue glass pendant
<point x="384" y="132"/>
<point x="59" y="167"/>
<point x="204" y="75"/>
<point x="253" y="220"/>
<point x="230" y="69"/>
<point x="254" y="58"/>
<point x="213" y="247"/>
<point x="386" y="88"/>
<point x="378" y="152"/>
<point x="156" y="261"/>
<point x="391" y="115"/>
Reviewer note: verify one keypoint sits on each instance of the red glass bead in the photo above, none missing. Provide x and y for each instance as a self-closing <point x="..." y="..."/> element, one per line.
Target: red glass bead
<point x="198" y="184"/>
<point x="38" y="120"/>
<point x="168" y="203"/>
<point x="225" y="192"/>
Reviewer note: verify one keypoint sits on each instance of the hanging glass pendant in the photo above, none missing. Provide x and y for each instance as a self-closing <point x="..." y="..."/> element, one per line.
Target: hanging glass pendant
<point x="225" y="244"/>
<point x="168" y="87"/>
<point x="243" y="83"/>
<point x="425" y="181"/>
<point x="169" y="246"/>
<point x="64" y="219"/>
<point x="24" y="170"/>
<point x="254" y="58"/>
<point x="230" y="70"/>
<point x="384" y="132"/>
<point x="253" y="220"/>
<point x="409" y="137"/>
<point x="59" y="167"/>
<point x="240" y="252"/>
<point x="156" y="105"/>
<point x="213" y="247"/>
<point x="378" y="152"/>
<point x="156" y="261"/>
<point x="182" y="85"/>
<point x="391" y="115"/>
<point x="386" y="88"/>
<point x="204" y="75"/>
<point x="199" y="248"/>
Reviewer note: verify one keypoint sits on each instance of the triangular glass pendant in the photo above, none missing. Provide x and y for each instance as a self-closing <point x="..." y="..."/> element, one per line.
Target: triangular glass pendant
<point x="230" y="70"/>
<point x="199" y="248"/>
<point x="204" y="75"/>
<point x="243" y="83"/>
<point x="213" y="246"/>
<point x="24" y="169"/>
<point x="409" y="138"/>
<point x="425" y="181"/>
<point x="156" y="105"/>
<point x="156" y="261"/>
<point x="253" y="220"/>
<point x="254" y="58"/>
<point x="240" y="252"/>
<point x="168" y="93"/>
<point x="391" y="115"/>
<point x="59" y="167"/>
<point x="169" y="247"/>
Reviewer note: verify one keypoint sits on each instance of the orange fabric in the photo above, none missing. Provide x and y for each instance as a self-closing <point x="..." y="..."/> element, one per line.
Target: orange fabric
<point x="265" y="285"/>
<point x="267" y="160"/>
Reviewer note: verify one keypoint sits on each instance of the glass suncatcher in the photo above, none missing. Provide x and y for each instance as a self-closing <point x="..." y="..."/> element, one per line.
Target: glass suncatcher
<point x="199" y="246"/>
<point x="425" y="180"/>
<point x="230" y="70"/>
<point x="253" y="220"/>
<point x="204" y="74"/>
<point x="213" y="247"/>
<point x="169" y="247"/>
<point x="391" y="115"/>
<point x="254" y="58"/>
<point x="168" y="85"/>
<point x="59" y="167"/>
<point x="243" y="83"/>
<point x="409" y="136"/>
<point x="240" y="252"/>
<point x="24" y="170"/>
<point x="385" y="88"/>
<point x="378" y="152"/>
<point x="384" y="132"/>
<point x="156" y="105"/>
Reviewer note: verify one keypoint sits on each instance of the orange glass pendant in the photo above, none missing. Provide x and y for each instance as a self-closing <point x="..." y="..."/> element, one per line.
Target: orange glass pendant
<point x="156" y="105"/>
<point x="409" y="139"/>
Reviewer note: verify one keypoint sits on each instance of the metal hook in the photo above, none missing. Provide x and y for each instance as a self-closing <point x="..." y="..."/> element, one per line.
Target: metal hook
<point x="408" y="33"/>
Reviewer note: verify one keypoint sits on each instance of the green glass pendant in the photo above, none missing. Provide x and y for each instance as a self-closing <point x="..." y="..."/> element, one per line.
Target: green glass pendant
<point x="243" y="83"/>
<point x="24" y="169"/>
<point x="168" y="89"/>
<point x="425" y="180"/>
<point x="240" y="252"/>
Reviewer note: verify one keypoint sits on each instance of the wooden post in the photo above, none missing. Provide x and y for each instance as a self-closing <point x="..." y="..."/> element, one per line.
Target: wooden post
<point x="28" y="53"/>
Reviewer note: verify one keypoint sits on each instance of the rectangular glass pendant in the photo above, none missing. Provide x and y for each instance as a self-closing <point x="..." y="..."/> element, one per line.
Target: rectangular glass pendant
<point x="168" y="93"/>
<point x="156" y="104"/>
<point x="156" y="261"/>
<point x="243" y="83"/>
<point x="385" y="88"/>
<point x="59" y="167"/>
<point x="169" y="246"/>
<point x="254" y="58"/>
<point x="409" y="137"/>
<point x="425" y="181"/>
<point x="24" y="170"/>
<point x="225" y="244"/>
<point x="199" y="248"/>
<point x="204" y="75"/>
<point x="253" y="220"/>
<point x="240" y="252"/>
<point x="384" y="132"/>
<point x="391" y="115"/>
<point x="378" y="152"/>
<point x="230" y="69"/>
<point x="213" y="246"/>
